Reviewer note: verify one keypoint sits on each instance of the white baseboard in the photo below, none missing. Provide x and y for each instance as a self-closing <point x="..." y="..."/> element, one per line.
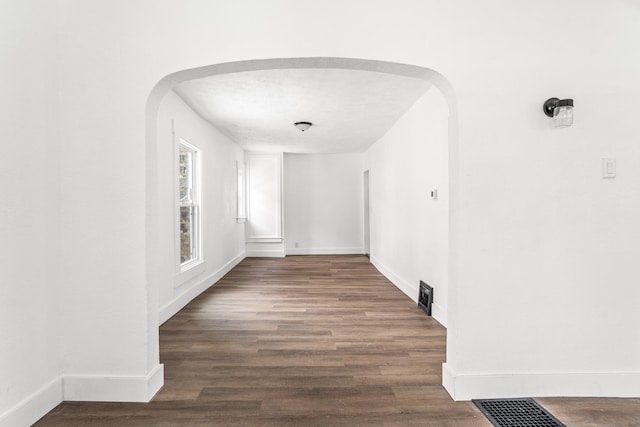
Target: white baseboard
<point x="412" y="291"/>
<point x="572" y="384"/>
<point x="439" y="313"/>
<point x="83" y="388"/>
<point x="34" y="407"/>
<point x="95" y="388"/>
<point x="325" y="251"/>
<point x="178" y="303"/>
<point x="106" y="388"/>
<point x="271" y="253"/>
<point x="448" y="380"/>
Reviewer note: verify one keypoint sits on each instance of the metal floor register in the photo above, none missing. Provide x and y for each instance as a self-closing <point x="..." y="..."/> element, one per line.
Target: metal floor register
<point x="517" y="413"/>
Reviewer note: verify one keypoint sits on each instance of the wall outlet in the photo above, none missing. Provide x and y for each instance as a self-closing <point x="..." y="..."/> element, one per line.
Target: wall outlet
<point x="434" y="194"/>
<point x="295" y="244"/>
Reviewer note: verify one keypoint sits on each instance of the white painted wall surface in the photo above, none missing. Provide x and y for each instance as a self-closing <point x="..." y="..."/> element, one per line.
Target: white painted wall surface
<point x="545" y="283"/>
<point x="222" y="236"/>
<point x="30" y="362"/>
<point x="544" y="233"/>
<point x="409" y="229"/>
<point x="323" y="203"/>
<point x="543" y="251"/>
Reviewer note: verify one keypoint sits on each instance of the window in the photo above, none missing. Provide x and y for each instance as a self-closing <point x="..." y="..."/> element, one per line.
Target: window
<point x="189" y="205"/>
<point x="242" y="198"/>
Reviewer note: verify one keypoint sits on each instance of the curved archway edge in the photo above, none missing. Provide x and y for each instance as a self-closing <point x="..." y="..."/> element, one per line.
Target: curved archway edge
<point x="171" y="80"/>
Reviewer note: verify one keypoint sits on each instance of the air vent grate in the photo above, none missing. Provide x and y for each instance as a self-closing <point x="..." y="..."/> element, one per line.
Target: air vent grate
<point x="516" y="413"/>
<point x="425" y="297"/>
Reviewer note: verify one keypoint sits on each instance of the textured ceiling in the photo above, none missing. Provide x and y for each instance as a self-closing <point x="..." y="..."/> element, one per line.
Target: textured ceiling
<point x="349" y="109"/>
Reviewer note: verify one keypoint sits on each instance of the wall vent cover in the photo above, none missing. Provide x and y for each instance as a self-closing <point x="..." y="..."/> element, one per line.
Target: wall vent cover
<point x="516" y="413"/>
<point x="425" y="298"/>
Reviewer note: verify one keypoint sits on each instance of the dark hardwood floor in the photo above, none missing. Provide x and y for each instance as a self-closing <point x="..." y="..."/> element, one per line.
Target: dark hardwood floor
<point x="309" y="341"/>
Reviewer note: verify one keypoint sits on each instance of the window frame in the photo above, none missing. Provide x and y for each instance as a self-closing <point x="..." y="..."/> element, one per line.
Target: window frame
<point x="241" y="195"/>
<point x="195" y="203"/>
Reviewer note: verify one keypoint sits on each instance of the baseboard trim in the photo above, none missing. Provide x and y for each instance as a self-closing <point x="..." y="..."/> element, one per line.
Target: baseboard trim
<point x="179" y="302"/>
<point x="90" y="388"/>
<point x="325" y="251"/>
<point x="96" y="388"/>
<point x="409" y="290"/>
<point x="34" y="406"/>
<point x="437" y="311"/>
<point x="276" y="253"/>
<point x="574" y="384"/>
<point x="449" y="380"/>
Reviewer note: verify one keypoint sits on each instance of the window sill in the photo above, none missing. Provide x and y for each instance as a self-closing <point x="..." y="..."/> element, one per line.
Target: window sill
<point x="263" y="240"/>
<point x="189" y="271"/>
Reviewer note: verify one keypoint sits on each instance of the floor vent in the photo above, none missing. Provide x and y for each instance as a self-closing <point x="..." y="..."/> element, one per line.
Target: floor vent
<point x="425" y="297"/>
<point x="516" y="413"/>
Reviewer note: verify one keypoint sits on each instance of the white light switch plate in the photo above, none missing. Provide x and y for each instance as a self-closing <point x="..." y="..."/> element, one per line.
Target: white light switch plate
<point x="609" y="168"/>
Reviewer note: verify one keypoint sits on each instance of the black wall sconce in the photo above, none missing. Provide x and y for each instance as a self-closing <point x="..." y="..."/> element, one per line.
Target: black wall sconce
<point x="561" y="110"/>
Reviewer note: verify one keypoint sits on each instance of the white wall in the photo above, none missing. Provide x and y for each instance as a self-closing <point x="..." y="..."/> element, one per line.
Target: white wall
<point x="30" y="362"/>
<point x="545" y="285"/>
<point x="409" y="229"/>
<point x="323" y="203"/>
<point x="222" y="236"/>
<point x="530" y="213"/>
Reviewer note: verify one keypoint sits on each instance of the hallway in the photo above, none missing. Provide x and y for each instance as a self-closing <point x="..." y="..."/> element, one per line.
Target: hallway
<point x="308" y="341"/>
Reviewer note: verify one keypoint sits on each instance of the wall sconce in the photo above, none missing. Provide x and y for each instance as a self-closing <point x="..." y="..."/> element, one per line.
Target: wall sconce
<point x="303" y="125"/>
<point x="561" y="110"/>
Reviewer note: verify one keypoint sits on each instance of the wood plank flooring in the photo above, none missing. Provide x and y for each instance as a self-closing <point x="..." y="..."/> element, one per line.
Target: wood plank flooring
<point x="307" y="341"/>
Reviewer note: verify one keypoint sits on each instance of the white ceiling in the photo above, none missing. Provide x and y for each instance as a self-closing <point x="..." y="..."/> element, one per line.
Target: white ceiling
<point x="349" y="109"/>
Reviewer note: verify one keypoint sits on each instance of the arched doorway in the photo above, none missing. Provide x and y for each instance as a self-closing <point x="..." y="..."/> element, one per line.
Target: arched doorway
<point x="155" y="259"/>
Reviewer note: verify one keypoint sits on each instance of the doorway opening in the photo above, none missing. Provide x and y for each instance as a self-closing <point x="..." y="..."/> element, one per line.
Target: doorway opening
<point x="367" y="226"/>
<point x="155" y="222"/>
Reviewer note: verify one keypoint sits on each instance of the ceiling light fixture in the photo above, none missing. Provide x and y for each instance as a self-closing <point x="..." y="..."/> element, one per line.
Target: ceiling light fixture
<point x="303" y="125"/>
<point x="561" y="110"/>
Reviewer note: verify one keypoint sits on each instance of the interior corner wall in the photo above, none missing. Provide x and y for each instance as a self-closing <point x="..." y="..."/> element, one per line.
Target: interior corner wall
<point x="409" y="228"/>
<point x="222" y="236"/>
<point x="323" y="203"/>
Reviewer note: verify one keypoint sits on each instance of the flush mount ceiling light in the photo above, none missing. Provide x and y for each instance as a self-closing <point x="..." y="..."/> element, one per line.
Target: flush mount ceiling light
<point x="303" y="125"/>
<point x="561" y="110"/>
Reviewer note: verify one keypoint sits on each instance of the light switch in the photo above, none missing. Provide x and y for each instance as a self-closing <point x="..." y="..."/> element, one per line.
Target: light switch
<point x="608" y="168"/>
